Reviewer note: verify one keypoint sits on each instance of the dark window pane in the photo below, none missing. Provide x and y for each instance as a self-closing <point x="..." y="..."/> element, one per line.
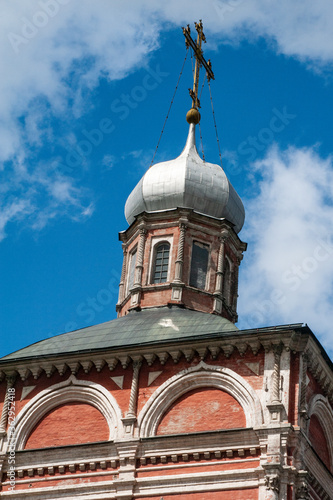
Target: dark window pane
<point x="199" y="265"/>
<point x="161" y="263"/>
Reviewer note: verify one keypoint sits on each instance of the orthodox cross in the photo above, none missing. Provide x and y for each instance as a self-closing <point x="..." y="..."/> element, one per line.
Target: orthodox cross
<point x="199" y="60"/>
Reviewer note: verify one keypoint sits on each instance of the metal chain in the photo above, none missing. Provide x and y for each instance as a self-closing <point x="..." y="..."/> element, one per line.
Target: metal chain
<point x="202" y="149"/>
<point x="167" y="116"/>
<point x="217" y="137"/>
<point x="202" y="86"/>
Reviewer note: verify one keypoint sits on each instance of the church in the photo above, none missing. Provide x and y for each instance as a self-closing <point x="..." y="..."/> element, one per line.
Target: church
<point x="171" y="400"/>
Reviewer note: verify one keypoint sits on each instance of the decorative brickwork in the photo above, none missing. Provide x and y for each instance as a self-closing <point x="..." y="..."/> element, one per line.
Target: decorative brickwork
<point x="181" y="228"/>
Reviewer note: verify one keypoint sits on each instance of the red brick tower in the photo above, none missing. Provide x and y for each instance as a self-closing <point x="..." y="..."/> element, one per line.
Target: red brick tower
<point x="170" y="400"/>
<point x="182" y="246"/>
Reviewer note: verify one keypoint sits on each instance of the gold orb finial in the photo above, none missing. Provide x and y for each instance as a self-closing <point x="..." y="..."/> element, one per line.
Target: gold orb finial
<point x="193" y="116"/>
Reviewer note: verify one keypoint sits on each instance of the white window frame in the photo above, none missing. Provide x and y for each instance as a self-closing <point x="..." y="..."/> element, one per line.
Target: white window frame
<point x="129" y="264"/>
<point x="156" y="240"/>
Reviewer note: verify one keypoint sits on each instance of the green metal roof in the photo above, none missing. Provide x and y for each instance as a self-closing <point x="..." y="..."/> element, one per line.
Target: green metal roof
<point x="148" y="326"/>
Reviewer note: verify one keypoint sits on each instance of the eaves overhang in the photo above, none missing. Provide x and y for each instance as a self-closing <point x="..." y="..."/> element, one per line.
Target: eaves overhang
<point x="174" y="332"/>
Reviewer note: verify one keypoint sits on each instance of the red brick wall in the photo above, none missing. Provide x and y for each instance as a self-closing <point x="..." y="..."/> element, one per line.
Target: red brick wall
<point x="67" y="479"/>
<point x="103" y="377"/>
<point x="234" y="362"/>
<point x="202" y="410"/>
<point x="72" y="423"/>
<point x="294" y="388"/>
<point x="313" y="387"/>
<point x="192" y="298"/>
<point x="246" y="494"/>
<point x="196" y="469"/>
<point x="319" y="441"/>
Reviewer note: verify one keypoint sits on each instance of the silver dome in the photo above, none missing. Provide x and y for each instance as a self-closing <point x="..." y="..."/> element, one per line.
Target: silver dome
<point x="186" y="182"/>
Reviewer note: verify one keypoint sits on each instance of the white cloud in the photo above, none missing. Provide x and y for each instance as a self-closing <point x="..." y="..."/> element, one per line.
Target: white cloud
<point x="54" y="52"/>
<point x="288" y="268"/>
<point x="299" y="28"/>
<point x="108" y="162"/>
<point x="15" y="209"/>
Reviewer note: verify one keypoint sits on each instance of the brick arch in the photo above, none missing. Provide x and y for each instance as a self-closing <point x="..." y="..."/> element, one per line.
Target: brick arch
<point x="320" y="427"/>
<point x="70" y="391"/>
<point x="202" y="409"/>
<point x="68" y="424"/>
<point x="200" y="376"/>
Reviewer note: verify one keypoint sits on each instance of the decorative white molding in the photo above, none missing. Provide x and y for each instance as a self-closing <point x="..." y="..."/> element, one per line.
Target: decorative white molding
<point x="152" y="376"/>
<point x="71" y="390"/>
<point x="26" y="390"/>
<point x="196" y="482"/>
<point x="319" y="477"/>
<point x="119" y="381"/>
<point x="320" y="407"/>
<point x="202" y="375"/>
<point x="156" y="240"/>
<point x="254" y="367"/>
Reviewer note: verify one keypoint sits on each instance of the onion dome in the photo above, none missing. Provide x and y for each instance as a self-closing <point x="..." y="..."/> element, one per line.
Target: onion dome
<point x="186" y="182"/>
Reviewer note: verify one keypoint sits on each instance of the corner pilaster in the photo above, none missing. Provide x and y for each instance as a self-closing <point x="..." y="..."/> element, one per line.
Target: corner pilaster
<point x="137" y="286"/>
<point x="275" y="406"/>
<point x="178" y="284"/>
<point x="218" y="301"/>
<point x="129" y="420"/>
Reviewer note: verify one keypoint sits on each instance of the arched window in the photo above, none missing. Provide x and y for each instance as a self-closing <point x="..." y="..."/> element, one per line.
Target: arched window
<point x="199" y="265"/>
<point x="161" y="263"/>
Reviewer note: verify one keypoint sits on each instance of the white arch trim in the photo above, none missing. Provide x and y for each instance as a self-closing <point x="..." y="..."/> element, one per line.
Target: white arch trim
<point x="320" y="407"/>
<point x="202" y="375"/>
<point x="70" y="391"/>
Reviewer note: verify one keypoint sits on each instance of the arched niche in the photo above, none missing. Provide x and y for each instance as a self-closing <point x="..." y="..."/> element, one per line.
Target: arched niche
<point x="70" y="423"/>
<point x="200" y="376"/>
<point x="202" y="409"/>
<point x="70" y="391"/>
<point x="320" y="427"/>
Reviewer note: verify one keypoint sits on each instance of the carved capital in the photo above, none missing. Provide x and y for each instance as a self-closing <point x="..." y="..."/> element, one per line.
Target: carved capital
<point x="224" y="235"/>
<point x="302" y="489"/>
<point x="137" y="365"/>
<point x="302" y="492"/>
<point x="11" y="378"/>
<point x="272" y="482"/>
<point x="277" y="349"/>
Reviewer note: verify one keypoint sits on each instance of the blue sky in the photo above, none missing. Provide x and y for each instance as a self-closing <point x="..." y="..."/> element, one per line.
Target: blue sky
<point x="85" y="89"/>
